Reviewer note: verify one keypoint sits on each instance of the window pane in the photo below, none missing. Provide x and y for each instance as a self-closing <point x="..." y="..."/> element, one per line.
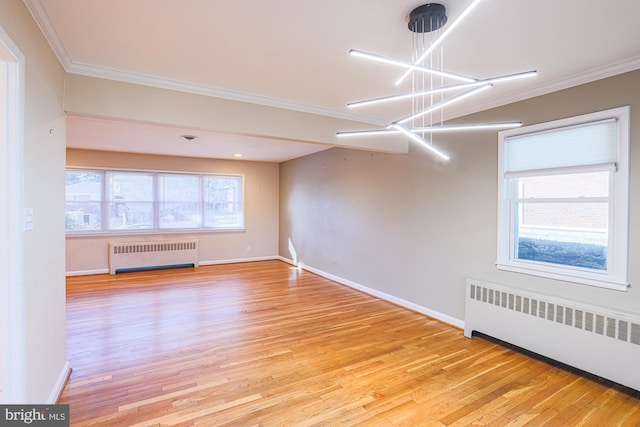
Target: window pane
<point x="179" y="188"/>
<point x="179" y="215"/>
<point x="83" y="216"/>
<point x="130" y="197"/>
<point x="125" y="215"/>
<point x="572" y="234"/>
<point x="83" y="196"/>
<point x="179" y="201"/>
<point x="129" y="186"/>
<point x="594" y="184"/>
<point x="223" y="202"/>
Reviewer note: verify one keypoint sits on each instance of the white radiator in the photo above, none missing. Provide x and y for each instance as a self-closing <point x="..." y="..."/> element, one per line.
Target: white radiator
<point x="589" y="338"/>
<point x="153" y="253"/>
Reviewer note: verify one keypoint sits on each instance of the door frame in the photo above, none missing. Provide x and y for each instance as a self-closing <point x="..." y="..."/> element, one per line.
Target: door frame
<point x="12" y="295"/>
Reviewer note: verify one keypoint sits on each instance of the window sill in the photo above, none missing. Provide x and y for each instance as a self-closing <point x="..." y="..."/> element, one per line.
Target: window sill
<point x="117" y="234"/>
<point x="590" y="279"/>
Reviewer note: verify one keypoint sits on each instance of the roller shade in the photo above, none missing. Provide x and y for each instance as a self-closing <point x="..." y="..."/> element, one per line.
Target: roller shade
<point x="593" y="143"/>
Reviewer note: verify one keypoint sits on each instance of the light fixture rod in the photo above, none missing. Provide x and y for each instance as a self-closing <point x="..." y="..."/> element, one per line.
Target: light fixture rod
<point x="383" y="59"/>
<point x="419" y="140"/>
<point x="443" y="104"/>
<point x="440" y="39"/>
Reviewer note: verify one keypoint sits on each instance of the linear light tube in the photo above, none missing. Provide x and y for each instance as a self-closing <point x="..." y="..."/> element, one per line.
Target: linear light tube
<point x="413" y="95"/>
<point x="433" y="129"/>
<point x="439" y="40"/>
<point x="419" y="139"/>
<point x="408" y="65"/>
<point x="449" y="101"/>
<point x="507" y="77"/>
<point x="442" y="89"/>
<point x="366" y="132"/>
<point x="475" y="126"/>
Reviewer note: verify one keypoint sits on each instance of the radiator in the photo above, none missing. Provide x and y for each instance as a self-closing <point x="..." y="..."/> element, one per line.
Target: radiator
<point x="153" y="253"/>
<point x="590" y="338"/>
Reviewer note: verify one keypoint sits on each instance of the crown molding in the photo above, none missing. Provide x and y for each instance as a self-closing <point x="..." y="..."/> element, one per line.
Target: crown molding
<point x="610" y="70"/>
<point x="46" y="28"/>
<point x="90" y="70"/>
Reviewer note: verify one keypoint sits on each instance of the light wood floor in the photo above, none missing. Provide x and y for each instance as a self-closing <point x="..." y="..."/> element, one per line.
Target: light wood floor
<point x="264" y="344"/>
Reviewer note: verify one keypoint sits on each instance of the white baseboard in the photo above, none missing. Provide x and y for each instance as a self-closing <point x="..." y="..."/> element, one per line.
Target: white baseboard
<point x="233" y="261"/>
<point x="382" y="295"/>
<point x="224" y="261"/>
<point x="59" y="385"/>
<point x="87" y="272"/>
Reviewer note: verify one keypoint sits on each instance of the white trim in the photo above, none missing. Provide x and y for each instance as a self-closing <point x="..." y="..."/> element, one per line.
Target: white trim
<point x="56" y="392"/>
<point x="238" y="260"/>
<point x="215" y="262"/>
<point x="70" y="235"/>
<point x="382" y="295"/>
<point x="12" y="309"/>
<point x="550" y="272"/>
<point x="87" y="272"/>
<point x="44" y="23"/>
<point x="107" y="73"/>
<point x="608" y="167"/>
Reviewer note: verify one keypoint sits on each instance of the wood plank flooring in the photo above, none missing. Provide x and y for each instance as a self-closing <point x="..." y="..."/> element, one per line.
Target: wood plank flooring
<point x="264" y="344"/>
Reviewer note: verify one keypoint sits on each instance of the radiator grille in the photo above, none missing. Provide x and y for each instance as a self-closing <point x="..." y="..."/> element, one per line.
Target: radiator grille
<point x="125" y="256"/>
<point x="133" y="248"/>
<point x="572" y="317"/>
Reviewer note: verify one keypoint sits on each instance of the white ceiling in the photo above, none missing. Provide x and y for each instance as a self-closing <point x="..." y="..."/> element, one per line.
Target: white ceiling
<point x="294" y="54"/>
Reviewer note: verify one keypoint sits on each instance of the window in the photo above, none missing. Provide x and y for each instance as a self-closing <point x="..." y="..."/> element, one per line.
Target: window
<point x="84" y="200"/>
<point x="132" y="201"/>
<point x="563" y="199"/>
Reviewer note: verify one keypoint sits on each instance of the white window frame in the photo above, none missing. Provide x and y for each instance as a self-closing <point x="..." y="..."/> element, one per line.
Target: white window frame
<point x="616" y="275"/>
<point x="156" y="229"/>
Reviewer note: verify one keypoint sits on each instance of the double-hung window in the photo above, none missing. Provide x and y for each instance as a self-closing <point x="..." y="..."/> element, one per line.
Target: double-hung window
<point x="563" y="199"/>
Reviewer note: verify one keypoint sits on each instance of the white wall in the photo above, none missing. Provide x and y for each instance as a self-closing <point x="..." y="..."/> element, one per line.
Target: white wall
<point x="415" y="229"/>
<point x="44" y="349"/>
<point x="258" y="240"/>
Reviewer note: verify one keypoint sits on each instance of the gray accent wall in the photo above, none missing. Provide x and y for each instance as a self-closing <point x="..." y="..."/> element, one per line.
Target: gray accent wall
<point x="416" y="228"/>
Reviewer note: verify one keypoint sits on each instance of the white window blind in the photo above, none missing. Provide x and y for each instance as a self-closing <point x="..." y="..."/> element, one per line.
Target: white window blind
<point x="585" y="144"/>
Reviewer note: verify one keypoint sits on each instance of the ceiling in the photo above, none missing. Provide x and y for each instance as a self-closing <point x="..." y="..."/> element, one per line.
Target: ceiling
<point x="293" y="54"/>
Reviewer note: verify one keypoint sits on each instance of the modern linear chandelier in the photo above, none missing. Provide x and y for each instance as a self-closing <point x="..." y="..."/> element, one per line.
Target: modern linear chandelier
<point x="430" y="82"/>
